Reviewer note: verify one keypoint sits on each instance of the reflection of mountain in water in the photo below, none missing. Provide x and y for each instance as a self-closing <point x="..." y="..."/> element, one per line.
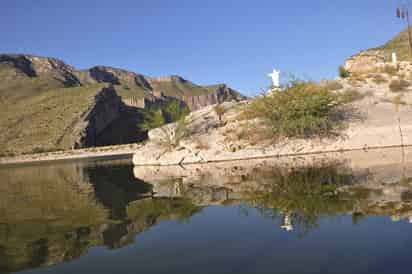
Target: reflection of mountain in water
<point x="55" y="213"/>
<point x="51" y="214"/>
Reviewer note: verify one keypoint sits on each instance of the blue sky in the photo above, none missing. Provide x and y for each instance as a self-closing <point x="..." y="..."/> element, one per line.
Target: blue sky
<point x="209" y="41"/>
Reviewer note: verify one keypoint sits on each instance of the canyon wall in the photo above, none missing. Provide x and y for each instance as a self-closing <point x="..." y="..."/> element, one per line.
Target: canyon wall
<point x="106" y="109"/>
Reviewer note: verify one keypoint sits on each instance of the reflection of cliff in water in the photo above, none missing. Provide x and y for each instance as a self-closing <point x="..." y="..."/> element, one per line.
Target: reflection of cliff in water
<point x="52" y="214"/>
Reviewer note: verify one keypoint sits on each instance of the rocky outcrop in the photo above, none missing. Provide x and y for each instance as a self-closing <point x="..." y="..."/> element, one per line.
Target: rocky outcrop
<point x="114" y="76"/>
<point x="365" y="61"/>
<point x="216" y="95"/>
<point x="166" y="79"/>
<point x="34" y="66"/>
<point x="374" y="125"/>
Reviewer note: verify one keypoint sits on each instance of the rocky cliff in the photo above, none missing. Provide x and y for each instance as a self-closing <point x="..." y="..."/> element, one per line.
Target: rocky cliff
<point x="129" y="85"/>
<point x="139" y="90"/>
<point x="106" y="109"/>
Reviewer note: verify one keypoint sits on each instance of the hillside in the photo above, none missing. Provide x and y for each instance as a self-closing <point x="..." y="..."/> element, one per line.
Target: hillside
<point x="47" y="104"/>
<point x="400" y="45"/>
<point x="364" y="60"/>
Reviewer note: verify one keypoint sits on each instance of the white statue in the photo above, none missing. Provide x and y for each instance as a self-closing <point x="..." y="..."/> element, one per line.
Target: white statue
<point x="394" y="58"/>
<point x="275" y="78"/>
<point x="287" y="222"/>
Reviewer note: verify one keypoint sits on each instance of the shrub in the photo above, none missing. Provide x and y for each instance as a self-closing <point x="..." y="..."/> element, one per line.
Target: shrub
<point x="399" y="85"/>
<point x="152" y="119"/>
<point x="343" y="73"/>
<point x="303" y="109"/>
<point x="175" y="111"/>
<point x="351" y="95"/>
<point x="157" y="117"/>
<point x="219" y="110"/>
<point x="173" y="135"/>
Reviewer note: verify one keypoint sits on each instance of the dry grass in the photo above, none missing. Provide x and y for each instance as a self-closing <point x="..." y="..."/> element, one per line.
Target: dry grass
<point x="43" y="121"/>
<point x="352" y="95"/>
<point x="332" y="85"/>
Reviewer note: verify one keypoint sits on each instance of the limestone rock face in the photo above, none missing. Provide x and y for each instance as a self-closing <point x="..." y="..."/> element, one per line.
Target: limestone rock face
<point x="365" y="61"/>
<point x="116" y="76"/>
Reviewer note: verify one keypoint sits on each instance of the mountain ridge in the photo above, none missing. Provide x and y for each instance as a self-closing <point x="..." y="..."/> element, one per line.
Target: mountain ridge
<point x="129" y="83"/>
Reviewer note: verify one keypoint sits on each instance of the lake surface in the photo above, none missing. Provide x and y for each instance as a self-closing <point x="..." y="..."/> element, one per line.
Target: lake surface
<point x="337" y="216"/>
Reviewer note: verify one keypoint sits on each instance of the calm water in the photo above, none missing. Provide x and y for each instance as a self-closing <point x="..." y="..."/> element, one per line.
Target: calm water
<point x="105" y="217"/>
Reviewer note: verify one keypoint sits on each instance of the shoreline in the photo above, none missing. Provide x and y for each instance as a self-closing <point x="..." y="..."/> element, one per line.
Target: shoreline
<point x="278" y="156"/>
<point x="80" y="154"/>
<point x="129" y="152"/>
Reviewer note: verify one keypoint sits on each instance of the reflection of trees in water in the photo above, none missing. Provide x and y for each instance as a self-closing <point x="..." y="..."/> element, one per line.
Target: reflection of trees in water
<point x="301" y="196"/>
<point x="42" y="212"/>
<point x="55" y="213"/>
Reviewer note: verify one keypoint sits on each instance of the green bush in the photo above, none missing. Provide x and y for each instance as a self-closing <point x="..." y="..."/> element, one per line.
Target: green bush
<point x="399" y="85"/>
<point x="175" y="111"/>
<point x="157" y="117"/>
<point x="303" y="109"/>
<point x="343" y="73"/>
<point x="152" y="119"/>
